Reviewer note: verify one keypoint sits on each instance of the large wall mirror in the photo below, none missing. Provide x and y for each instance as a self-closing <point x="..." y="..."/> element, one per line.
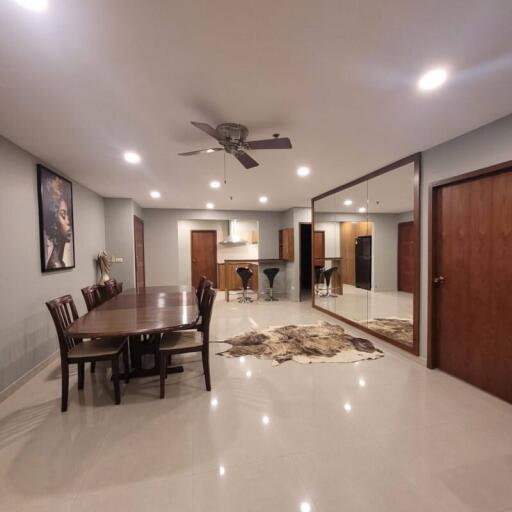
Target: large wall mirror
<point x="366" y="253"/>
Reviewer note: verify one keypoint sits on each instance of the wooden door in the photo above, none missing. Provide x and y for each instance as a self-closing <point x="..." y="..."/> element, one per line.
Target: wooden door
<point x="471" y="263"/>
<point x="319" y="248"/>
<point x="138" y="235"/>
<point x="406" y="271"/>
<point x="203" y="250"/>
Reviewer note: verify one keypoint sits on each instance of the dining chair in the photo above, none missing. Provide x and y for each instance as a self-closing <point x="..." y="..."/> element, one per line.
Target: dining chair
<point x="79" y="352"/>
<point x="183" y="342"/>
<point x="92" y="296"/>
<point x="111" y="288"/>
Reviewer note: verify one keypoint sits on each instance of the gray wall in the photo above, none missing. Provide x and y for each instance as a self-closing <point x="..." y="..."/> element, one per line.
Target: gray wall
<point x="120" y="237"/>
<point x="27" y="335"/>
<point x="485" y="146"/>
<point x="161" y="238"/>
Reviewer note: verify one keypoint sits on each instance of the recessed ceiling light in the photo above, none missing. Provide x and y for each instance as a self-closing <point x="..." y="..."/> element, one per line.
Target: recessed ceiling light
<point x="265" y="420"/>
<point x="362" y="209"/>
<point x="215" y="184"/>
<point x="131" y="157"/>
<point x="263" y="199"/>
<point x="214" y="402"/>
<point x="155" y="194"/>
<point x="210" y="206"/>
<point x="33" y="5"/>
<point x="248" y="374"/>
<point x="305" y="507"/>
<point x="222" y="470"/>
<point x="347" y="202"/>
<point x="347" y="407"/>
<point x="432" y="79"/>
<point x="210" y="150"/>
<point x="303" y="171"/>
<point x="362" y="383"/>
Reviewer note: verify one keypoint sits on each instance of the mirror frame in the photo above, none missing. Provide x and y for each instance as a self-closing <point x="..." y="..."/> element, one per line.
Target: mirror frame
<point x="416" y="160"/>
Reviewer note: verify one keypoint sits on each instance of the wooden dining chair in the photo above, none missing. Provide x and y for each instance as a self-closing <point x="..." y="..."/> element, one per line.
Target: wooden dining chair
<point x="92" y="296"/>
<point x="77" y="351"/>
<point x="111" y="288"/>
<point x="197" y="340"/>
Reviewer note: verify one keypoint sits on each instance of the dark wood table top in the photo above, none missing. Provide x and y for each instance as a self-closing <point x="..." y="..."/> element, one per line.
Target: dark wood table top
<point x="149" y="310"/>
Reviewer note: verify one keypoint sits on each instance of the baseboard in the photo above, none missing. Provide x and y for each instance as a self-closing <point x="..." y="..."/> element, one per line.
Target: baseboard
<point x="11" y="388"/>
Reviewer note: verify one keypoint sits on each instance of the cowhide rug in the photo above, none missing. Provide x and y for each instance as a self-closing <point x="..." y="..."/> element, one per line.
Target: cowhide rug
<point x="315" y="343"/>
<point x="399" y="329"/>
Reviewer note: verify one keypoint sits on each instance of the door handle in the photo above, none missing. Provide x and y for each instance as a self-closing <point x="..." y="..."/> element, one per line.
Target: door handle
<point x="439" y="280"/>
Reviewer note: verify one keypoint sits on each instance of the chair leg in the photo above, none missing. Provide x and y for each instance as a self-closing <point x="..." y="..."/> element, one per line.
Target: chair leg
<point x="163" y="373"/>
<point x="93" y="366"/>
<point x="126" y="364"/>
<point x="206" y="368"/>
<point x="81" y="371"/>
<point x="65" y="385"/>
<point x="115" y="375"/>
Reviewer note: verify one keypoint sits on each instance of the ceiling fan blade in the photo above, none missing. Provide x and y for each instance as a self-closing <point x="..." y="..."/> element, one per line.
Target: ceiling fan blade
<point x="205" y="127"/>
<point x="199" y="151"/>
<point x="282" y="143"/>
<point x="247" y="161"/>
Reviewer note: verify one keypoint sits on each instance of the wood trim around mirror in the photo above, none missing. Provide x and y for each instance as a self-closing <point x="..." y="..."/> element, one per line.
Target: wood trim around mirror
<point x="415" y="159"/>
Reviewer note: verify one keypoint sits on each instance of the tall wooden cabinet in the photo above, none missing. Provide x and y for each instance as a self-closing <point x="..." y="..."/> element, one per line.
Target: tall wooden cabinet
<point x="286" y="250"/>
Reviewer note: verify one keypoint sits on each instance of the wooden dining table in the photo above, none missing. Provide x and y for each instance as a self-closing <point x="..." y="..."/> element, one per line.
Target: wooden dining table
<point x="142" y="315"/>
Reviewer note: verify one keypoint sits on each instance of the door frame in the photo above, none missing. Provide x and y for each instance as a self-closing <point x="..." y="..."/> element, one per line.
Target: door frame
<point x="433" y="191"/>
<point x="135" y="220"/>
<point x="215" y="254"/>
<point x="415" y="159"/>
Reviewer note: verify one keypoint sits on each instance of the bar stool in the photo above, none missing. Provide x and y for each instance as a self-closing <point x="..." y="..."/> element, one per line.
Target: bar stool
<point x="328" y="274"/>
<point x="271" y="273"/>
<point x="245" y="274"/>
<point x="319" y="270"/>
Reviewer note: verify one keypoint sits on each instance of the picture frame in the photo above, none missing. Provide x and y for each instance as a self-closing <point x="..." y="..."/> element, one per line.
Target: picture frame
<point x="56" y="220"/>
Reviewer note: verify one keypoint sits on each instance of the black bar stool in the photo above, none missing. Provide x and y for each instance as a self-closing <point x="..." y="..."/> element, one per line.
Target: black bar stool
<point x="328" y="274"/>
<point x="319" y="270"/>
<point x="245" y="274"/>
<point x="271" y="273"/>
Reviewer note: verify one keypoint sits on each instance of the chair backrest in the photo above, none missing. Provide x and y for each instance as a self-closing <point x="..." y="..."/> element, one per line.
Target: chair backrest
<point x="245" y="274"/>
<point x="110" y="288"/>
<point x="206" y="311"/>
<point x="64" y="313"/>
<point x="92" y="296"/>
<point x="200" y="288"/>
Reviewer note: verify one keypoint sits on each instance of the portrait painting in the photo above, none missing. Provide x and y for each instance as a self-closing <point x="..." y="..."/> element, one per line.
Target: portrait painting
<point x="55" y="195"/>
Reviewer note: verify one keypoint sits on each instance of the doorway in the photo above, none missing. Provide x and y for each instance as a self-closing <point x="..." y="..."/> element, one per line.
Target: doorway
<point x="305" y="260"/>
<point x="203" y="251"/>
<point x="138" y="235"/>
<point x="471" y="278"/>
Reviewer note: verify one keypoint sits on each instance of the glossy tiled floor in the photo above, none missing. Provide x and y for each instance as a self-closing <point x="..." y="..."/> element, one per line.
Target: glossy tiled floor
<point x="372" y="436"/>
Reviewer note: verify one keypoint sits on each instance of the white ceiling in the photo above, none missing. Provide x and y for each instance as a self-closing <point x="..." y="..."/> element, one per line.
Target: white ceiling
<point x="84" y="81"/>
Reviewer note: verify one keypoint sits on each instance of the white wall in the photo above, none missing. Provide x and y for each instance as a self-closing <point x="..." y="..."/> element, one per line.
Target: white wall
<point x="27" y="334"/>
<point x="120" y="242"/>
<point x="491" y="144"/>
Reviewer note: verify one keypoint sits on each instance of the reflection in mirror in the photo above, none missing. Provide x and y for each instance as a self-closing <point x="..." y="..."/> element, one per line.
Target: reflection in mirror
<point x="365" y="255"/>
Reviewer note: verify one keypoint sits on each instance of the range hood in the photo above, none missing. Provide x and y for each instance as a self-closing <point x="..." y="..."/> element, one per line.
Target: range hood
<point x="233" y="238"/>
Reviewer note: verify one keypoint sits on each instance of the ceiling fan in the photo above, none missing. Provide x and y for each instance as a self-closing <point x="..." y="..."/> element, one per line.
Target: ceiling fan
<point x="232" y="137"/>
